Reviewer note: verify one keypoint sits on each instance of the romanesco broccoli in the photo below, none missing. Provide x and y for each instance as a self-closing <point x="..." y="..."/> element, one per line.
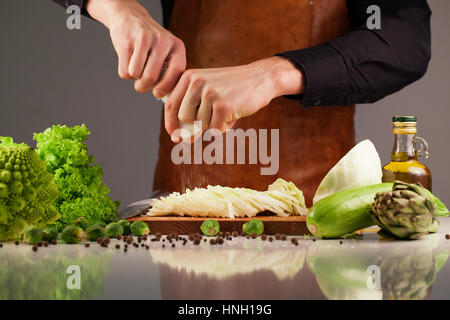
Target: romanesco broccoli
<point x="27" y="190"/>
<point x="81" y="190"/>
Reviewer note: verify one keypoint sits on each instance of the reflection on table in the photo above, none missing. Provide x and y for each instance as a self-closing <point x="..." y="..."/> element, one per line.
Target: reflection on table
<point x="239" y="269"/>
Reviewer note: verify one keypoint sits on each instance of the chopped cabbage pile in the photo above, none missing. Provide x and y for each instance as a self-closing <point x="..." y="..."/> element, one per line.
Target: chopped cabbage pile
<point x="282" y="198"/>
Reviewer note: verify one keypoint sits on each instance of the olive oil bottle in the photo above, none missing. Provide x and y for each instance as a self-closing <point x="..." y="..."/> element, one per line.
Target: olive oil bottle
<point x="405" y="165"/>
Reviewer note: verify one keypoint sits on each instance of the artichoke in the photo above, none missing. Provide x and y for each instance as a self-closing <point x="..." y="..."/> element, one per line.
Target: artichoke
<point x="409" y="271"/>
<point x="407" y="275"/>
<point x="407" y="212"/>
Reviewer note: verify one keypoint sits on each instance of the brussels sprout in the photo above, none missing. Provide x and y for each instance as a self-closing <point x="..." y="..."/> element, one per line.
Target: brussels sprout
<point x="210" y="227"/>
<point x="100" y="224"/>
<point x="32" y="235"/>
<point x="82" y="223"/>
<point x="113" y="230"/>
<point x="253" y="225"/>
<point x="125" y="225"/>
<point x="49" y="233"/>
<point x="72" y="234"/>
<point x="139" y="228"/>
<point x="95" y="232"/>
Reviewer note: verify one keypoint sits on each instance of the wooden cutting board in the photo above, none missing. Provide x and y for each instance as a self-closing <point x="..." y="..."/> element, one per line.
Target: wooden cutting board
<point x="186" y="225"/>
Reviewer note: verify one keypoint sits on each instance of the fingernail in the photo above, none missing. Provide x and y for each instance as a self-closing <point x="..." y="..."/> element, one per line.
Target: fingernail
<point x="175" y="138"/>
<point x="158" y="94"/>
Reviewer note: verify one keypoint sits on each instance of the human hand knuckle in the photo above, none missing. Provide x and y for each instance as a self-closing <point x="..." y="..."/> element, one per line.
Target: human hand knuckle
<point x="168" y="106"/>
<point x="209" y="93"/>
<point x="221" y="107"/>
<point x="134" y="72"/>
<point x="141" y="37"/>
<point x="188" y="74"/>
<point x="139" y="88"/>
<point x="150" y="77"/>
<point x="122" y="73"/>
<point x="196" y="81"/>
<point x="178" y="43"/>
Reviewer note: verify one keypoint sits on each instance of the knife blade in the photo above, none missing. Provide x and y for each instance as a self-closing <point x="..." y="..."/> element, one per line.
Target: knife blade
<point x="136" y="208"/>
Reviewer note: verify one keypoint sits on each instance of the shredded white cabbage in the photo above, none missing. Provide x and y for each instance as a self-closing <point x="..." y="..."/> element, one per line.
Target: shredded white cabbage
<point x="282" y="198"/>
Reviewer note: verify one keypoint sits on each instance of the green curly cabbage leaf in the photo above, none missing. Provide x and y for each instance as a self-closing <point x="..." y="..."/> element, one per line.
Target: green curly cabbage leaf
<point x="81" y="190"/>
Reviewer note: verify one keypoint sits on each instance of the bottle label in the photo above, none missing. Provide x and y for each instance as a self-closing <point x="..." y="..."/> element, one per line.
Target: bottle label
<point x="404" y="128"/>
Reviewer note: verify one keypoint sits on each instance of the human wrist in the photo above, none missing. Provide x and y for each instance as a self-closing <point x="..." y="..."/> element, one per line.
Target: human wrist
<point x="286" y="78"/>
<point x="107" y="11"/>
<point x="99" y="10"/>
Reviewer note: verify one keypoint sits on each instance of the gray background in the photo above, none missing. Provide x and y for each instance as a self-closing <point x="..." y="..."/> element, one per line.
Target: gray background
<point x="50" y="75"/>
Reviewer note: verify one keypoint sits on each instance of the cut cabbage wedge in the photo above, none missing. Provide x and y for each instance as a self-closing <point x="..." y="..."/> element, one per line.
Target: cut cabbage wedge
<point x="360" y="167"/>
<point x="282" y="198"/>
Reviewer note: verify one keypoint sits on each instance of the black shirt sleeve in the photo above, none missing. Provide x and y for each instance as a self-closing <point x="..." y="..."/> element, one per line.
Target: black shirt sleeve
<point x="79" y="3"/>
<point x="366" y="65"/>
<point x="167" y="6"/>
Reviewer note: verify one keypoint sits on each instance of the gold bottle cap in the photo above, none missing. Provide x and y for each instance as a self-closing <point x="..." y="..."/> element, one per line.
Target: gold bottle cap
<point x="404" y="125"/>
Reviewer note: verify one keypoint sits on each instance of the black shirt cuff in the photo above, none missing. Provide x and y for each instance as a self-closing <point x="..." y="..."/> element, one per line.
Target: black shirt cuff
<point x="324" y="72"/>
<point x="79" y="3"/>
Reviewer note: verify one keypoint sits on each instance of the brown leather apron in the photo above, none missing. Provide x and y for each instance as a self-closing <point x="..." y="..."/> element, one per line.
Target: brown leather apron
<point x="220" y="33"/>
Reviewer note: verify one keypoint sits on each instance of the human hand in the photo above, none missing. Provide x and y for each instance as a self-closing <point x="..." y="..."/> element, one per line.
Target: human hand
<point x="147" y="52"/>
<point x="218" y="97"/>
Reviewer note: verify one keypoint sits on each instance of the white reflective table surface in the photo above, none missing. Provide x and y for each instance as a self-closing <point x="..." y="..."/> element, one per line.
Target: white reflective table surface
<point x="366" y="268"/>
